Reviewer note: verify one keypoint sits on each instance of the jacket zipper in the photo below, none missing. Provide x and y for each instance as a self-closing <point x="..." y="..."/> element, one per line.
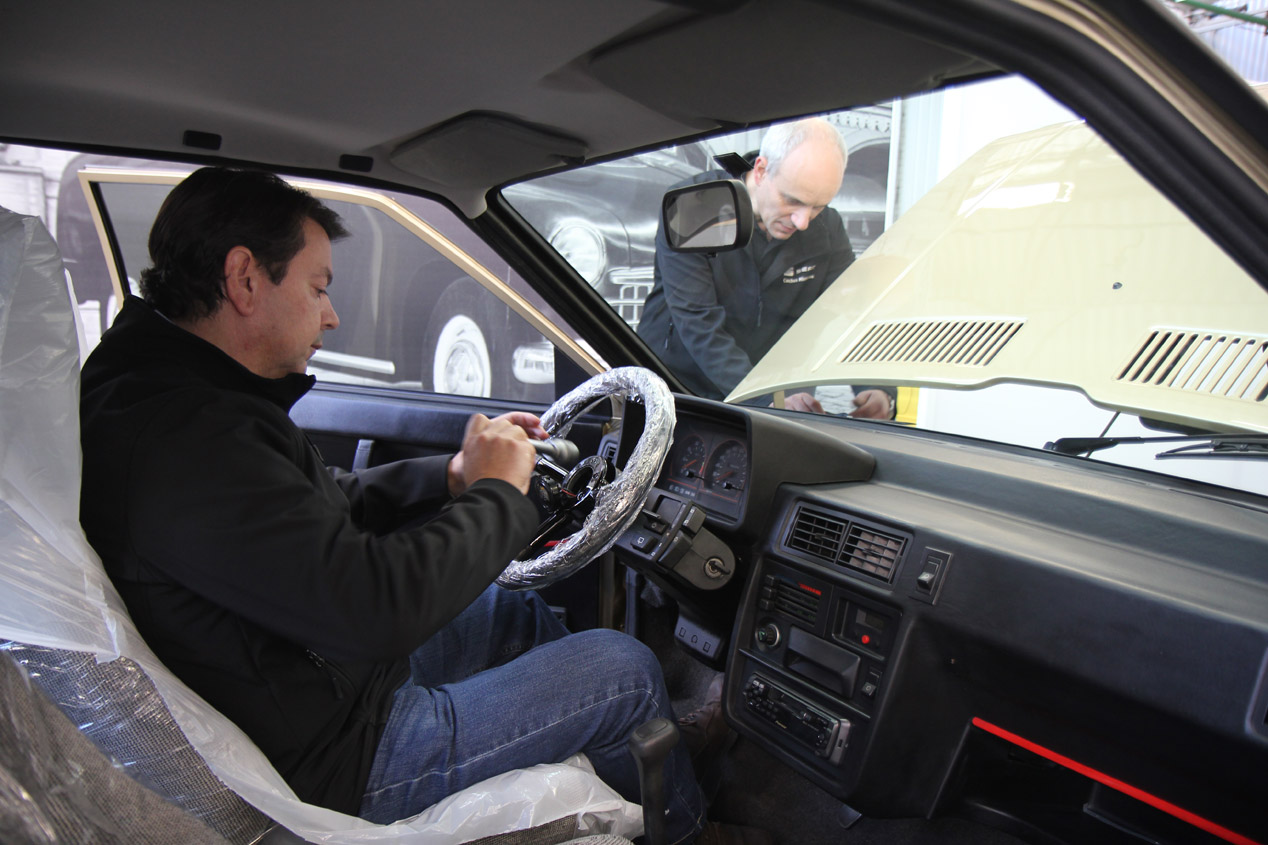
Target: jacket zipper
<point x="322" y="664"/>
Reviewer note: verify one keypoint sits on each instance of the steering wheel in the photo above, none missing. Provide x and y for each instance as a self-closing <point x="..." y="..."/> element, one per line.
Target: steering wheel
<point x="613" y="505"/>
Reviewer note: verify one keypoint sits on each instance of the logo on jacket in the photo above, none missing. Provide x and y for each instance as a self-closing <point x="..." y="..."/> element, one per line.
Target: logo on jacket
<point x="796" y="275"/>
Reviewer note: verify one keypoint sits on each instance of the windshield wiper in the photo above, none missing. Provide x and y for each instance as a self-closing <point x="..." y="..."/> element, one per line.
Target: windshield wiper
<point x="1206" y="445"/>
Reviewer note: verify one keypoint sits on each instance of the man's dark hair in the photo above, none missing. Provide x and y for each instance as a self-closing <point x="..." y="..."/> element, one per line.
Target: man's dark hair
<point x="209" y="213"/>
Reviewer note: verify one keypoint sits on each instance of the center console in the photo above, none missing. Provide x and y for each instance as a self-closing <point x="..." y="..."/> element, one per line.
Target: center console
<point x="809" y="663"/>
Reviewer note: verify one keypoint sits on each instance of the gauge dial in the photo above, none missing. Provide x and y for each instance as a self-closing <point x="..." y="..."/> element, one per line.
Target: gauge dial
<point x="689" y="463"/>
<point x="727" y="473"/>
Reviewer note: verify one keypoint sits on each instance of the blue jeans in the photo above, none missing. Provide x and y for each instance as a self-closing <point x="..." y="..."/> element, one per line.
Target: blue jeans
<point x="505" y="686"/>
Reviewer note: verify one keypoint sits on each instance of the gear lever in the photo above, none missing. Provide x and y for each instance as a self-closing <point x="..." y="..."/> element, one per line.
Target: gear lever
<point x="650" y="743"/>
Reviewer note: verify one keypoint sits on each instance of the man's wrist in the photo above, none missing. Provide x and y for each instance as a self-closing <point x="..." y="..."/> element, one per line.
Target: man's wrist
<point x="453" y="478"/>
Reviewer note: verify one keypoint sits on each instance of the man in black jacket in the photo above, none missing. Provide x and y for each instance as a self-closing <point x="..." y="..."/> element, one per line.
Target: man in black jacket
<point x="365" y="653"/>
<point x="711" y="317"/>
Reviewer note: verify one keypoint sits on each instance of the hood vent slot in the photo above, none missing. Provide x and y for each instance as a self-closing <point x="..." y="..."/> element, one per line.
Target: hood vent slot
<point x="966" y="343"/>
<point x="836" y="540"/>
<point x="1231" y="365"/>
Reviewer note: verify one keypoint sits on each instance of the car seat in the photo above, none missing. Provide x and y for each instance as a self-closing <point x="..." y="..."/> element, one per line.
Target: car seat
<point x="64" y="627"/>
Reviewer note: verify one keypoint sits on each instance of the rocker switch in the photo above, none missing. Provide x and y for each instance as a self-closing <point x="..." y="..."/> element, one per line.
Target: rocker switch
<point x="933" y="570"/>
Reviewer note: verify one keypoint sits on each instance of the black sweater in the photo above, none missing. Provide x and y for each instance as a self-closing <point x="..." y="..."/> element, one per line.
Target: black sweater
<point x="280" y="591"/>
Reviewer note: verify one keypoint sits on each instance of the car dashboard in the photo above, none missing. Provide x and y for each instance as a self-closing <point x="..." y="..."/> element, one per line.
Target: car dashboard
<point x="915" y="622"/>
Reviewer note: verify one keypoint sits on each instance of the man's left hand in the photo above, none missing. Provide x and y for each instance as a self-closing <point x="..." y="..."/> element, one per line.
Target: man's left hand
<point x="804" y="402"/>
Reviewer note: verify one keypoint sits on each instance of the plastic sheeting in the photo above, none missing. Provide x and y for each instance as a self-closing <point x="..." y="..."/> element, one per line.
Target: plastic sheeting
<point x="56" y="787"/>
<point x="55" y="593"/>
<point x="618" y="504"/>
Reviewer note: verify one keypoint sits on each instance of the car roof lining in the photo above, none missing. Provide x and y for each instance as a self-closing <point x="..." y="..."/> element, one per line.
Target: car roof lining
<point x="139" y="78"/>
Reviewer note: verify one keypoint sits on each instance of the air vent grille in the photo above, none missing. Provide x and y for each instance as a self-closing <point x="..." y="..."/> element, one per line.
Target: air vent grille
<point x="837" y="540"/>
<point x="872" y="552"/>
<point x="817" y="534"/>
<point x="967" y="343"/>
<point x="1231" y="365"/>
<point x="796" y="601"/>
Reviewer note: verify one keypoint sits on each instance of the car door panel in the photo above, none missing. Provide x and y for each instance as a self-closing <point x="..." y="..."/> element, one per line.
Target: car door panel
<point x="337" y="419"/>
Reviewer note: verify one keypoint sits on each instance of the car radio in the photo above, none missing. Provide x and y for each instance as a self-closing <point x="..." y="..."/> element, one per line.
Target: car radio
<point x="823" y="733"/>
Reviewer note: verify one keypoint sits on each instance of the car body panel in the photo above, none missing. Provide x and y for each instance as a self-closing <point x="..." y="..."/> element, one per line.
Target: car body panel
<point x="992" y="275"/>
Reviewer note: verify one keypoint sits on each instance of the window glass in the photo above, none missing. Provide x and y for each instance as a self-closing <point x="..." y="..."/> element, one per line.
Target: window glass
<point x="602" y="219"/>
<point x="1014" y="280"/>
<point x="412" y="315"/>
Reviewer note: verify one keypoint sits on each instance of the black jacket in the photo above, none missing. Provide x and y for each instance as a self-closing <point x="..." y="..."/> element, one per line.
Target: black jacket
<point x="276" y="589"/>
<point x="710" y="318"/>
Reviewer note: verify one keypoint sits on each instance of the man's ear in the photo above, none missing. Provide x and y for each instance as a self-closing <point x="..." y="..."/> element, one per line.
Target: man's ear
<point x="241" y="279"/>
<point x="760" y="165"/>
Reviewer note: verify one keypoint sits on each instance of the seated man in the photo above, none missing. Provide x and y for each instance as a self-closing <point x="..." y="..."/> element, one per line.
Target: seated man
<point x="365" y="653"/>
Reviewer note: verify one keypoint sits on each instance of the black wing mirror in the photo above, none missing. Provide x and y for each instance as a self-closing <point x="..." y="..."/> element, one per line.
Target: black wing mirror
<point x="708" y="217"/>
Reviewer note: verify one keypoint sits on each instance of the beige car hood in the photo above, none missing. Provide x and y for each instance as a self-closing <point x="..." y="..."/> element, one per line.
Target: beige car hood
<point x="1043" y="259"/>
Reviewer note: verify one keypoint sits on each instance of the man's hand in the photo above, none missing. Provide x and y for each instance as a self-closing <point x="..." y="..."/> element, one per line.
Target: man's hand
<point x="496" y="448"/>
<point x="873" y="405"/>
<point x="804" y="402"/>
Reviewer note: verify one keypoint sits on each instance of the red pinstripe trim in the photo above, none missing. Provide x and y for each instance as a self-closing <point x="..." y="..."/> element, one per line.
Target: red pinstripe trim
<point x="1113" y="783"/>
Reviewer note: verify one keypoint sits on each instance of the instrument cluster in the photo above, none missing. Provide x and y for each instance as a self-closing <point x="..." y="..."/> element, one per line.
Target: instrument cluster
<point x="709" y="464"/>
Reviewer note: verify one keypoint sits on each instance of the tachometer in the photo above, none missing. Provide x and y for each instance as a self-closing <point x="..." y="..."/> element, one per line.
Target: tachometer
<point x="688" y="463"/>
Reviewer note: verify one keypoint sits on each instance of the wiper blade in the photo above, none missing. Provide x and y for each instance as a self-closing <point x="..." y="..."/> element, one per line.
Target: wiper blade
<point x="1206" y="445"/>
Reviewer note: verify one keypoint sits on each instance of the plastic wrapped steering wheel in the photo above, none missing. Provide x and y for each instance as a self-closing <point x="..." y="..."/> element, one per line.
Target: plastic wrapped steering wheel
<point x="616" y="504"/>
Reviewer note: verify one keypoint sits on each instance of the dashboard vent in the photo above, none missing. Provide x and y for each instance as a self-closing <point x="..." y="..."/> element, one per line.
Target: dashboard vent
<point x="817" y="534"/>
<point x="837" y="540"/>
<point x="967" y="343"/>
<point x="1229" y="365"/>
<point x="797" y="600"/>
<point x="872" y="552"/>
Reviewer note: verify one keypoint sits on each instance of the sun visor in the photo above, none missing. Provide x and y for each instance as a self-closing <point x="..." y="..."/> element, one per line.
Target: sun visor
<point x="769" y="59"/>
<point x="476" y="151"/>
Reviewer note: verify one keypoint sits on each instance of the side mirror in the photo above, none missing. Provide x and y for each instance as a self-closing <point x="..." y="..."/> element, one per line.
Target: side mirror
<point x="708" y="217"/>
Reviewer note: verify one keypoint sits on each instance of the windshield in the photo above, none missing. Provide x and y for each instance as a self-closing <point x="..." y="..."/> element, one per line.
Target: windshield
<point x="987" y="266"/>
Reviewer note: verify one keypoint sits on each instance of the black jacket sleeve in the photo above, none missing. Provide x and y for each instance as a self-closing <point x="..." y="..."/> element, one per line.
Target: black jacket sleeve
<point x="697" y="315"/>
<point x="385" y="497"/>
<point x="252" y="521"/>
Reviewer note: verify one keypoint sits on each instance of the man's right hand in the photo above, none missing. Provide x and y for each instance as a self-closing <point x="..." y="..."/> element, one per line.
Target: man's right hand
<point x="497" y="448"/>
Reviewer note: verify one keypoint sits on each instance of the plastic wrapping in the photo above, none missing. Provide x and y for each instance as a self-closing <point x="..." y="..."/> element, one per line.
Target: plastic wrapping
<point x="56" y="787"/>
<point x="54" y="594"/>
<point x="617" y="505"/>
<point x="115" y="705"/>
